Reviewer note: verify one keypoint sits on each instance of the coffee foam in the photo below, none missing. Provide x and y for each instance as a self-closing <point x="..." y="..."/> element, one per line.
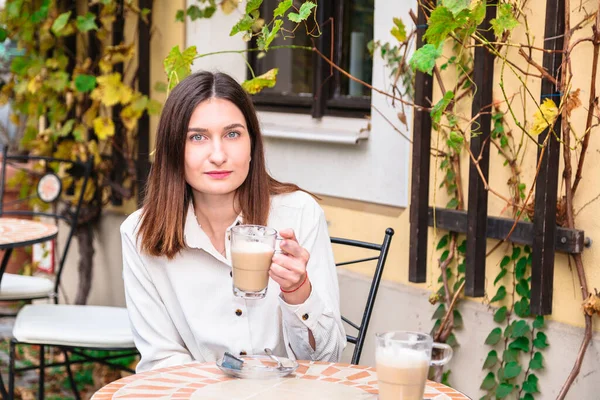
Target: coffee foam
<point x="251" y="247"/>
<point x="398" y="357"/>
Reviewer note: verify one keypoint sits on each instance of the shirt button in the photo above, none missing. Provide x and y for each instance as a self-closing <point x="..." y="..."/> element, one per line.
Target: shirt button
<point x="231" y="273"/>
<point x="305" y="317"/>
<point x="242" y="353"/>
<point x="238" y="312"/>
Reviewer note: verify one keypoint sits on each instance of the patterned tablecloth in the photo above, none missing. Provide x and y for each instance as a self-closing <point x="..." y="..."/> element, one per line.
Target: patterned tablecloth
<point x="311" y="381"/>
<point x="15" y="232"/>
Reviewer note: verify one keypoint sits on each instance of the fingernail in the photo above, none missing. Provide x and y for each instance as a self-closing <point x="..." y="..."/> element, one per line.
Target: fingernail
<point x="283" y="243"/>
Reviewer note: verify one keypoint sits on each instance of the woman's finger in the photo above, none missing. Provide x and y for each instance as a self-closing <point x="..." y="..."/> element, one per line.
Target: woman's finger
<point x="288" y="262"/>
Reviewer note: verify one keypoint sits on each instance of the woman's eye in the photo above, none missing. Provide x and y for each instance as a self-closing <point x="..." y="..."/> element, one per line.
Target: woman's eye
<point x="197" y="137"/>
<point x="232" y="135"/>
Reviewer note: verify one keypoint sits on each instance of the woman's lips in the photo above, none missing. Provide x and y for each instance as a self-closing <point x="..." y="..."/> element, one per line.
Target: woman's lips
<point x="218" y="174"/>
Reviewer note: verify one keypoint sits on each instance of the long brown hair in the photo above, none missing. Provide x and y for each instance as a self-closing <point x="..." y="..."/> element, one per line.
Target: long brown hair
<point x="168" y="195"/>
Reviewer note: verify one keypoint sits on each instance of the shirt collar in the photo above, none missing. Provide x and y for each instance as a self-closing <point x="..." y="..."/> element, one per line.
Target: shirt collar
<point x="195" y="237"/>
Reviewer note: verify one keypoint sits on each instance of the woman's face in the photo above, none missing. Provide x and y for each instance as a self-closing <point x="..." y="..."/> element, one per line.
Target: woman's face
<point x="217" y="148"/>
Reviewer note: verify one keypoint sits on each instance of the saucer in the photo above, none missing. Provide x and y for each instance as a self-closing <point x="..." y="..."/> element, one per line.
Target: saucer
<point x="260" y="367"/>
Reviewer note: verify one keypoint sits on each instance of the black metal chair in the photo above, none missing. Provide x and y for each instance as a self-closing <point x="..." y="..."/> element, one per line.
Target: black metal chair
<point x="56" y="325"/>
<point x="383" y="250"/>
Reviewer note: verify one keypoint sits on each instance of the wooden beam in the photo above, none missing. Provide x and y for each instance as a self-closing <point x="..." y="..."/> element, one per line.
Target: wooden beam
<point x="483" y="77"/>
<point x="143" y="130"/>
<point x="570" y="241"/>
<point x="119" y="165"/>
<point x="419" y="197"/>
<point x="544" y="221"/>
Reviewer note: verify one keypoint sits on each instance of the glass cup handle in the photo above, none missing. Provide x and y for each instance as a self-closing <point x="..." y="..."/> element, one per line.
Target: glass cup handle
<point x="447" y="354"/>
<point x="278" y="251"/>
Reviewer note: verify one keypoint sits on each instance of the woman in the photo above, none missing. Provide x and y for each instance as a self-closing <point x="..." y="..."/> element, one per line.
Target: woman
<point x="209" y="174"/>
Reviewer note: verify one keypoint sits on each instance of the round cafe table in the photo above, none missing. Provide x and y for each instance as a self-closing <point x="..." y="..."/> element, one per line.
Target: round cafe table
<point x="312" y="380"/>
<point x="16" y="232"/>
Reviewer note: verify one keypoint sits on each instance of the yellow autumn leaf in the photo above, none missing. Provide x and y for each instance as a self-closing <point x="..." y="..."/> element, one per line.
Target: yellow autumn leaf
<point x="544" y="117"/>
<point x="104" y="127"/>
<point x="130" y="116"/>
<point x="90" y="114"/>
<point x="266" y="80"/>
<point x="34" y="84"/>
<point x="109" y="89"/>
<point x="93" y="150"/>
<point x="229" y="6"/>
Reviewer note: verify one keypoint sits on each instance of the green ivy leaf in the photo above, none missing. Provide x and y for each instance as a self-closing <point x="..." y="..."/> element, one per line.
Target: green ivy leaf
<point x="540" y="341"/>
<point x="501" y="275"/>
<point x="510" y="355"/>
<point x="505" y="261"/>
<point x="79" y="133"/>
<point x="424" y="58"/>
<point x="520" y="328"/>
<point x="500" y="294"/>
<point x="521" y="268"/>
<point x="253" y="5"/>
<point x="456" y="6"/>
<point x="451" y="341"/>
<point x="478" y="13"/>
<point x="60" y="22"/>
<point x="453" y="203"/>
<point x="491" y="359"/>
<point x="399" y="30"/>
<point x="522" y="288"/>
<point x="255" y="85"/>
<point x="3" y="34"/>
<point x="504" y="390"/>
<point x="444" y="256"/>
<point x="538" y="323"/>
<point x="500" y="314"/>
<point x="530" y="385"/>
<point x="494" y="337"/>
<point x="57" y="81"/>
<point x="180" y="16"/>
<point x="303" y="13"/>
<point x="439" y="312"/>
<point x="460" y="281"/>
<point x="243" y="25"/>
<point x="439" y="108"/>
<point x="66" y="128"/>
<point x="42" y="13"/>
<point x="522" y="308"/>
<point x="528" y="396"/>
<point x="160" y="87"/>
<point x="511" y="370"/>
<point x="537" y="361"/>
<point x="85" y="83"/>
<point x="516" y="253"/>
<point x="282" y="8"/>
<point x="441" y="23"/>
<point x="521" y="343"/>
<point x="443" y="242"/>
<point x="508" y="330"/>
<point x="458" y="320"/>
<point x="505" y="21"/>
<point x="462" y="249"/>
<point x="178" y="65"/>
<point x="269" y="36"/>
<point x="86" y="22"/>
<point x="489" y="382"/>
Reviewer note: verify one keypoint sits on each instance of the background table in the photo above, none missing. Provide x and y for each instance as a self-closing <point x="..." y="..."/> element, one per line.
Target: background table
<point x="332" y="381"/>
<point x="15" y="232"/>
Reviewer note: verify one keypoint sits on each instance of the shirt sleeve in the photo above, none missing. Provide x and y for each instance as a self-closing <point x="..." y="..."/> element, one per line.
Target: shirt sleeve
<point x="320" y="313"/>
<point x="154" y="333"/>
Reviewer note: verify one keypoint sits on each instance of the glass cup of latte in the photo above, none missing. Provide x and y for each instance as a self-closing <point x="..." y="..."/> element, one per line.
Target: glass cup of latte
<point x="403" y="360"/>
<point x="252" y="248"/>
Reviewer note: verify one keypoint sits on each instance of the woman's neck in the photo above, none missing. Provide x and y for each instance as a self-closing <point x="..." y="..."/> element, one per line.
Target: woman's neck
<point x="215" y="213"/>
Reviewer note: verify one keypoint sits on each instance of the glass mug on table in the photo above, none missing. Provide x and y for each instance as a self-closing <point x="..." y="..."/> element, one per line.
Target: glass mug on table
<point x="252" y="248"/>
<point x="403" y="360"/>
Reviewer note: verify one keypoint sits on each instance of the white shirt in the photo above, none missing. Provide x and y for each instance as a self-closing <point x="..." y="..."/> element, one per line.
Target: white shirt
<point x="184" y="310"/>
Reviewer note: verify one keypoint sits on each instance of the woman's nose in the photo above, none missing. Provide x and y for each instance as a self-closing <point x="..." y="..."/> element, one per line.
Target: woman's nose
<point x="218" y="156"/>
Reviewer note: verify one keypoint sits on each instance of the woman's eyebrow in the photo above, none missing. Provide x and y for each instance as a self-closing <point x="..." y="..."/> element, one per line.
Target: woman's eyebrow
<point x="226" y="128"/>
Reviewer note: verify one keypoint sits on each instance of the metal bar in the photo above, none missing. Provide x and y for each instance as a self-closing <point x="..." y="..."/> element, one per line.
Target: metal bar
<point x="42" y="366"/>
<point x="364" y="324"/>
<point x="11" y="369"/>
<point x="352" y="324"/>
<point x="356" y="243"/>
<point x="483" y="76"/>
<point x="570" y="241"/>
<point x="119" y="165"/>
<point x="143" y="131"/>
<point x="70" y="375"/>
<point x="544" y="221"/>
<point x="356" y="261"/>
<point x="419" y="196"/>
<point x="5" y="259"/>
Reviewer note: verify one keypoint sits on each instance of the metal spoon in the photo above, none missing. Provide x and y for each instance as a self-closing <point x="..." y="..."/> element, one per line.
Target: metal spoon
<point x="270" y="354"/>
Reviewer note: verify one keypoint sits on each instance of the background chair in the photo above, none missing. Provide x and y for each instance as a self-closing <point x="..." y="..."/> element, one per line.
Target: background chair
<point x="383" y="250"/>
<point x="91" y="333"/>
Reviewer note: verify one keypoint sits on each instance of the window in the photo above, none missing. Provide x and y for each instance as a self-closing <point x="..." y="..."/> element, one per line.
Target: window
<point x="305" y="83"/>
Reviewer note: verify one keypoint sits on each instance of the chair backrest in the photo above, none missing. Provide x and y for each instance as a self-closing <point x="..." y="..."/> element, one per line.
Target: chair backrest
<point x="383" y="250"/>
<point x="52" y="177"/>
